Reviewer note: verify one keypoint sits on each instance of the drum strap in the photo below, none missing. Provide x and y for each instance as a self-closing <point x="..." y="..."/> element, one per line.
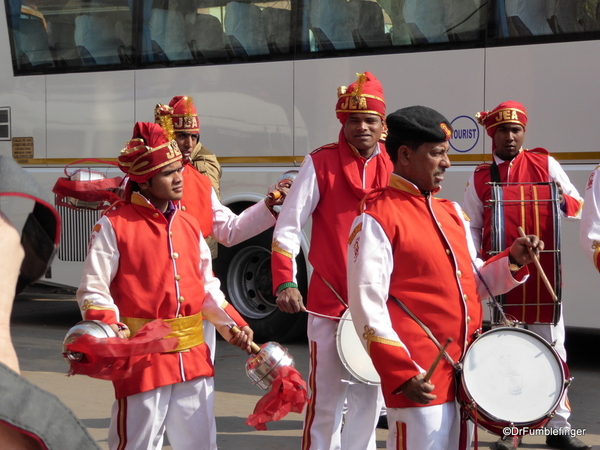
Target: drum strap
<point x="339" y="297"/>
<point x="427" y="331"/>
<point x="494" y="173"/>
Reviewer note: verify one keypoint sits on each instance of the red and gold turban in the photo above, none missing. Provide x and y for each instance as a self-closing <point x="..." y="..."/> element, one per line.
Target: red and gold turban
<point x="149" y="150"/>
<point x="179" y="116"/>
<point x="365" y="96"/>
<point x="507" y="112"/>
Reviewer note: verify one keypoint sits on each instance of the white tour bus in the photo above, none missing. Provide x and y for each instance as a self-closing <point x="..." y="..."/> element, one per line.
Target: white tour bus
<point x="76" y="76"/>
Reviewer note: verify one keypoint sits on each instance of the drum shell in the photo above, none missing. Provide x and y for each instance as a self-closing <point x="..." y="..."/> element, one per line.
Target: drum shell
<point x="352" y="354"/>
<point x="488" y="420"/>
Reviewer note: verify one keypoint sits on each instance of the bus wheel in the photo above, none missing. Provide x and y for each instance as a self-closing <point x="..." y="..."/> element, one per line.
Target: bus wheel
<point x="245" y="274"/>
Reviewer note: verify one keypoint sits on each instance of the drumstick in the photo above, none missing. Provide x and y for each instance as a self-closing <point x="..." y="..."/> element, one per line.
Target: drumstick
<point x="539" y="267"/>
<point x="436" y="360"/>
<point x="253" y="345"/>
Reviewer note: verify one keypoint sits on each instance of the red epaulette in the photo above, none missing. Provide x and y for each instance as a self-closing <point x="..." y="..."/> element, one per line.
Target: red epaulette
<point x="539" y="150"/>
<point x="116" y="205"/>
<point x="325" y="147"/>
<point x="482" y="166"/>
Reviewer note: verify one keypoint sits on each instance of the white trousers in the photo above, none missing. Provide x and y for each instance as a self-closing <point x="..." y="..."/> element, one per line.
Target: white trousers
<point x="330" y="387"/>
<point x="183" y="410"/>
<point x="425" y="428"/>
<point x="556" y="333"/>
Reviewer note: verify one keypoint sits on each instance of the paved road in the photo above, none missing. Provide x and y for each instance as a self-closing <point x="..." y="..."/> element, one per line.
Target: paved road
<point x="40" y="324"/>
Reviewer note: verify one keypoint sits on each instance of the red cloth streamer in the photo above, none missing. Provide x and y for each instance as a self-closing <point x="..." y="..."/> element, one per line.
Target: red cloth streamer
<point x="97" y="194"/>
<point x="288" y="393"/>
<point x="109" y="358"/>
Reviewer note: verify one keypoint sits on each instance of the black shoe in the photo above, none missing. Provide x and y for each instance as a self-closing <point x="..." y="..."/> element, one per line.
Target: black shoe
<point x="566" y="442"/>
<point x="505" y="443"/>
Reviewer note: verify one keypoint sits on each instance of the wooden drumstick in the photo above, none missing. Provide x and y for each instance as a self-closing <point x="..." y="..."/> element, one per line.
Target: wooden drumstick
<point x="253" y="345"/>
<point x="436" y="361"/>
<point x="536" y="261"/>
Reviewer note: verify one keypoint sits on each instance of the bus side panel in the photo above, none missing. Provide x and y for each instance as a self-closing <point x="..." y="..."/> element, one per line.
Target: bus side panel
<point x="252" y="117"/>
<point x="558" y="84"/>
<point x="90" y="115"/>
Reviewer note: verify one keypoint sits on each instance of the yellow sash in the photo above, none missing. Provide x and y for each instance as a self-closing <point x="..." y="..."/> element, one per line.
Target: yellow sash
<point x="188" y="330"/>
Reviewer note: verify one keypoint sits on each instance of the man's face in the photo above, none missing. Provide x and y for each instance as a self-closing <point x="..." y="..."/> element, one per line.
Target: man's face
<point x="186" y="143"/>
<point x="425" y="168"/>
<point x="165" y="185"/>
<point x="508" y="139"/>
<point x="363" y="131"/>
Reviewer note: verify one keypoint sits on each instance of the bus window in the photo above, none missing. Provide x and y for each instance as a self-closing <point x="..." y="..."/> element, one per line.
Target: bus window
<point x="277" y="23"/>
<point x="332" y="23"/>
<point x="588" y="14"/>
<point x="245" y="30"/>
<point x="167" y="33"/>
<point x="71" y="36"/>
<point x="207" y="38"/>
<point x="30" y="38"/>
<point x="125" y="34"/>
<point x="371" y="29"/>
<point x="465" y="19"/>
<point x="96" y="40"/>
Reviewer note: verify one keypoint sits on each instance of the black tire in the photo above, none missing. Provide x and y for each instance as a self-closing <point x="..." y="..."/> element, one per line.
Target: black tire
<point x="245" y="274"/>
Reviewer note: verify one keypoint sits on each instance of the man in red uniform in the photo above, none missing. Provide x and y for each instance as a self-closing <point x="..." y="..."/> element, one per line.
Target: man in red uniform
<point x="218" y="223"/>
<point x="329" y="186"/>
<point x="512" y="163"/>
<point x="148" y="260"/>
<point x="409" y="245"/>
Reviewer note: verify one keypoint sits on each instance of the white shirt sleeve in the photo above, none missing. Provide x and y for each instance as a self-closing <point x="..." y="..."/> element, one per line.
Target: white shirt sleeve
<point x="214" y="299"/>
<point x="100" y="268"/>
<point x="473" y="208"/>
<point x="370" y="264"/>
<point x="299" y="204"/>
<point x="557" y="173"/>
<point x="231" y="229"/>
<point x="589" y="234"/>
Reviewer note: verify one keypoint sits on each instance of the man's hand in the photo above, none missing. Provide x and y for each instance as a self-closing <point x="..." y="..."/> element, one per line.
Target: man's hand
<point x="289" y="300"/>
<point x="519" y="250"/>
<point x="277" y="196"/>
<point x="561" y="196"/>
<point x="120" y="330"/>
<point x="243" y="339"/>
<point x="418" y="390"/>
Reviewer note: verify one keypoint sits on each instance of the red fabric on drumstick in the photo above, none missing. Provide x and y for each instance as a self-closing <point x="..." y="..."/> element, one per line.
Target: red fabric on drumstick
<point x="287" y="394"/>
<point x="108" y="358"/>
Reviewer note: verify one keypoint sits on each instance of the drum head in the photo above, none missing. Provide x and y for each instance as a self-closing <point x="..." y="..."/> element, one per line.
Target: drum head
<point x="352" y="353"/>
<point x="513" y="375"/>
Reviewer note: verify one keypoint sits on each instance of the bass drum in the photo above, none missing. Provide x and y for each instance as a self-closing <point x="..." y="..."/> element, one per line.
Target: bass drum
<point x="511" y="377"/>
<point x="352" y="353"/>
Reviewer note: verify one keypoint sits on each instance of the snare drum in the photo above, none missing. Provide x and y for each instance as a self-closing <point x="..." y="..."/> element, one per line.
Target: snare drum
<point x="352" y="353"/>
<point x="511" y="377"/>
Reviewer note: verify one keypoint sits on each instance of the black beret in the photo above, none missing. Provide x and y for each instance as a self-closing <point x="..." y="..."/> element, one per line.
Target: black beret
<point x="418" y="124"/>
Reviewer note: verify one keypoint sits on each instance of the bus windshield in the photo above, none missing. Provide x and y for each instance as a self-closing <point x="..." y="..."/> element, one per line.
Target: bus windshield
<point x="58" y="36"/>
